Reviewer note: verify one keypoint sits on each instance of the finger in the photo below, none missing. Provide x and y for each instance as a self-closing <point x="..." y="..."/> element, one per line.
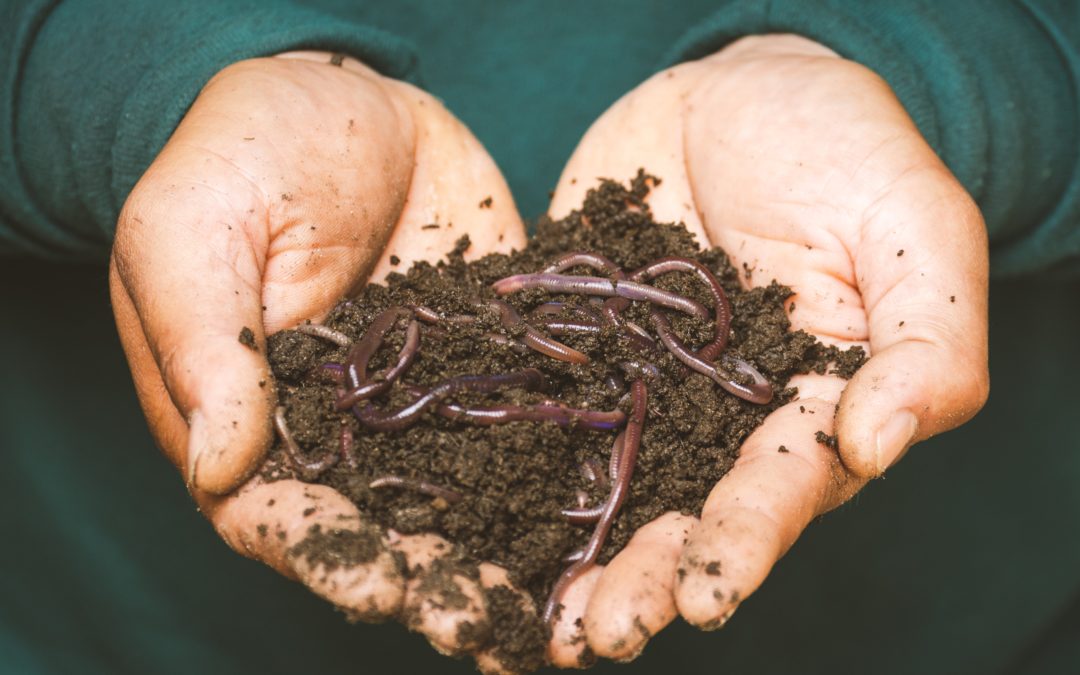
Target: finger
<point x="923" y="273"/>
<point x="641" y="130"/>
<point x="314" y="534"/>
<point x="783" y="479"/>
<point x="443" y="597"/>
<point x="569" y="647"/>
<point x="634" y="598"/>
<point x="515" y="626"/>
<point x="456" y="190"/>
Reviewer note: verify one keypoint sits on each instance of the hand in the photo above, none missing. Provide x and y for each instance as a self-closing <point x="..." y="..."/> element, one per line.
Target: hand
<point x="806" y="169"/>
<point x="289" y="182"/>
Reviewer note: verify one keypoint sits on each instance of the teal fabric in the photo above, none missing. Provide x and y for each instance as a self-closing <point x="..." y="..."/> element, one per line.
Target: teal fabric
<point x="993" y="85"/>
<point x="964" y="560"/>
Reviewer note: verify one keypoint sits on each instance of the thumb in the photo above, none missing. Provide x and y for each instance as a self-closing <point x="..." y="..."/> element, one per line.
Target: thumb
<point x="193" y="287"/>
<point x="191" y="257"/>
<point x="922" y="268"/>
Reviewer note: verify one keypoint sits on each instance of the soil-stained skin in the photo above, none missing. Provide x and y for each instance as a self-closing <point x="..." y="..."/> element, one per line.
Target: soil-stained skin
<point x="513" y="479"/>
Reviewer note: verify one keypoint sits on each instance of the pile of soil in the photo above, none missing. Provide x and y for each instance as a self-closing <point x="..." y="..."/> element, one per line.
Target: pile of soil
<point x="515" y="478"/>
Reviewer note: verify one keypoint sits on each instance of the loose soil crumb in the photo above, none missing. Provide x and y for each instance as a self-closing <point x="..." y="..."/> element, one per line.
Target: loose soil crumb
<point x="247" y="338"/>
<point x="827" y="440"/>
<point x="515" y="478"/>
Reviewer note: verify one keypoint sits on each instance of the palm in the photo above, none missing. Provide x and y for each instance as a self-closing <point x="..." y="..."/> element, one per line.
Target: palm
<point x="806" y="170"/>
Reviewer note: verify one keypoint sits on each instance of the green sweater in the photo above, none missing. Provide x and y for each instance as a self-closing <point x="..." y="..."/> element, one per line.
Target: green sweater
<point x="105" y="567"/>
<point x="92" y="90"/>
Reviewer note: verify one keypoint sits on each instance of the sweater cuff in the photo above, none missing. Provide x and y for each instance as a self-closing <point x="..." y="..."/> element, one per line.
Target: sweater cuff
<point x="90" y="124"/>
<point x="991" y="86"/>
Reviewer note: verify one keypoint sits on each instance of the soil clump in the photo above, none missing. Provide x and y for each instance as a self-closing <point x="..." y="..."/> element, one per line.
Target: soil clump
<point x="514" y="479"/>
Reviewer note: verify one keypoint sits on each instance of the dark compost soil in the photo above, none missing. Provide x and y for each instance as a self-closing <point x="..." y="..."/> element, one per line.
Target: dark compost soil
<point x="515" y="478"/>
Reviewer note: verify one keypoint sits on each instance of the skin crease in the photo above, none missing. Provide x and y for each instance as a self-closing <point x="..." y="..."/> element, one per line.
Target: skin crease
<point x="800" y="164"/>
<point x="805" y="168"/>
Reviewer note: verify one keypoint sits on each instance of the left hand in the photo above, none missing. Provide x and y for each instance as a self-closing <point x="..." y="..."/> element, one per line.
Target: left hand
<point x="806" y="169"/>
<point x="291" y="180"/>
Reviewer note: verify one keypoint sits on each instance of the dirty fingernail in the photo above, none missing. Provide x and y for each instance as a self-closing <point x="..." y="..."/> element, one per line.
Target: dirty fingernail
<point x="718" y="622"/>
<point x="894" y="437"/>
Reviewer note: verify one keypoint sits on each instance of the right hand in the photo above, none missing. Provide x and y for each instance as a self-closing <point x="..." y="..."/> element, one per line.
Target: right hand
<point x="806" y="169"/>
<point x="290" y="182"/>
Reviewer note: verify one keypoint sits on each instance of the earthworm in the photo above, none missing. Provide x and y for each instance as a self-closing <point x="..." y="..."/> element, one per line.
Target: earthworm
<point x="428" y="315"/>
<point x="324" y="332"/>
<point x="616" y="456"/>
<point x="619" y="489"/>
<point x="309" y="469"/>
<point x="421" y="486"/>
<point x="611" y="307"/>
<point x="386" y="378"/>
<point x="403" y="418"/>
<point x="631" y="290"/>
<point x="363" y="349"/>
<point x="640" y="369"/>
<point x="722" y="307"/>
<point x="335" y="371"/>
<point x="592" y="471"/>
<point x="570" y="327"/>
<point x="615" y="382"/>
<point x="533" y="338"/>
<point x="561" y="415"/>
<point x="582" y="515"/>
<point x="582" y="259"/>
<point x="347" y="444"/>
<point x="497" y="338"/>
<point x="758" y="391"/>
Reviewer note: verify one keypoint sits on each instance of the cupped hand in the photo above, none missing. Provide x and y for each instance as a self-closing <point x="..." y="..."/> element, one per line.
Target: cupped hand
<point x="806" y="169"/>
<point x="290" y="181"/>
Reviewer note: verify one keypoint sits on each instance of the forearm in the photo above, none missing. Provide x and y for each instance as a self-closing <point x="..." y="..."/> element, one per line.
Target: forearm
<point x="92" y="91"/>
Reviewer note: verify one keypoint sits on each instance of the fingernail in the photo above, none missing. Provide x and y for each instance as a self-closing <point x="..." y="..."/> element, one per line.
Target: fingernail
<point x="894" y="437"/>
<point x="197" y="442"/>
<point x="718" y="622"/>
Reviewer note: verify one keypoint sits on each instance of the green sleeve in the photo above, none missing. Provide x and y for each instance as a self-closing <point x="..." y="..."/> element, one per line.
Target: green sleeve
<point x="91" y="90"/>
<point x="992" y="85"/>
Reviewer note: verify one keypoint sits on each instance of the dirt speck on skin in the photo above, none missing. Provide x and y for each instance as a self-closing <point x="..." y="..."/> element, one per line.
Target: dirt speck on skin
<point x="439" y="582"/>
<point x="514" y="479"/>
<point x="336" y="548"/>
<point x="247" y="338"/>
<point x="827" y="440"/>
